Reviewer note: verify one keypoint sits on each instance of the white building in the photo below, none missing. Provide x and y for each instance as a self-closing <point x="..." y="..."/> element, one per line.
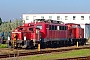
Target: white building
<point x="80" y="18"/>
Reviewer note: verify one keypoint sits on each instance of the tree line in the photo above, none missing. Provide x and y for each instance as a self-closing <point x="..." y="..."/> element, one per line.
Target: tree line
<point x="9" y="26"/>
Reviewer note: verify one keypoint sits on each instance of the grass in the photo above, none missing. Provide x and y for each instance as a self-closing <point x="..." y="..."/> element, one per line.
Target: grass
<point x="3" y="45"/>
<point x="76" y="53"/>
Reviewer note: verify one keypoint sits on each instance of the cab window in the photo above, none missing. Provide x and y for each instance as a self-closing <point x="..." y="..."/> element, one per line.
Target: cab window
<point x="20" y="28"/>
<point x="31" y="29"/>
<point x="39" y="26"/>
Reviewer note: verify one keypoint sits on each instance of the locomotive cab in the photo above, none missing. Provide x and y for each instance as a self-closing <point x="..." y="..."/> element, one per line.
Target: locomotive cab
<point x="25" y="37"/>
<point x="76" y="34"/>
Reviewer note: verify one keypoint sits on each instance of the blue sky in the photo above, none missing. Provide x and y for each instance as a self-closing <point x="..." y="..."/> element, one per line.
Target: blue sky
<point x="10" y="9"/>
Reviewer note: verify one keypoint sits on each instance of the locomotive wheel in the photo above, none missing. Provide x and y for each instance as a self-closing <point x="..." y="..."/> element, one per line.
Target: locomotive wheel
<point x="51" y="44"/>
<point x="42" y="44"/>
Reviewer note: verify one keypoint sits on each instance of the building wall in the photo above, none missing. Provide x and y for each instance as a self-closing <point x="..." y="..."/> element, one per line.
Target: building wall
<point x="68" y="19"/>
<point x="62" y="17"/>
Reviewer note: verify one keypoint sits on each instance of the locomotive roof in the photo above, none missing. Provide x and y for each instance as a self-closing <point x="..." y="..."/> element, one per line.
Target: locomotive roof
<point x="71" y="24"/>
<point x="41" y="23"/>
<point x="48" y="21"/>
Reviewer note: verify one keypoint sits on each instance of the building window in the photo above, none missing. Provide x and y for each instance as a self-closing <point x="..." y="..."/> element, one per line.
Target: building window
<point x="82" y="17"/>
<point x="58" y="17"/>
<point x="50" y="17"/>
<point x="27" y="17"/>
<point x="89" y="17"/>
<point x="66" y="17"/>
<point x="42" y="17"/>
<point x="74" y="17"/>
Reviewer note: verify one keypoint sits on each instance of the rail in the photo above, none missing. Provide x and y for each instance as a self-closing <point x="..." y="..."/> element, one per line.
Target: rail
<point x="76" y="58"/>
<point x="39" y="52"/>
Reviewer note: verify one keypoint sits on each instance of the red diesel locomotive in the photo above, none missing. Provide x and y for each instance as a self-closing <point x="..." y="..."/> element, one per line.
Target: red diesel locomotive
<point x="48" y="33"/>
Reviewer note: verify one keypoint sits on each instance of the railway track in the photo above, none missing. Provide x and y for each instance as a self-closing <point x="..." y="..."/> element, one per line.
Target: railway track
<point x="76" y="58"/>
<point x="40" y="52"/>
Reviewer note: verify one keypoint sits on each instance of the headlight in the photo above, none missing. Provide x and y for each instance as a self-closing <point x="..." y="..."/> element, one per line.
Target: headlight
<point x="16" y="30"/>
<point x="24" y="37"/>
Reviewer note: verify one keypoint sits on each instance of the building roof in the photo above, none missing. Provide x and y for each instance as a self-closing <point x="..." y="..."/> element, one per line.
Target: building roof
<point x="62" y="13"/>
